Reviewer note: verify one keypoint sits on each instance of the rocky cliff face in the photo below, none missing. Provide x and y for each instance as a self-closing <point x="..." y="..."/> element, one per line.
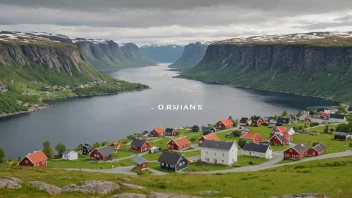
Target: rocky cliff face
<point x="192" y="54"/>
<point x="316" y="67"/>
<point x="108" y="55"/>
<point x="163" y="53"/>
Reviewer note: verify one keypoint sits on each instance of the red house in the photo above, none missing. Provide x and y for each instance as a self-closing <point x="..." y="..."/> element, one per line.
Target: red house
<point x="316" y="150"/>
<point x="157" y="132"/>
<point x="296" y="153"/>
<point x="102" y="153"/>
<point x="179" y="144"/>
<point x="278" y="129"/>
<point x="116" y="145"/>
<point x="211" y="136"/>
<point x="140" y="162"/>
<point x="140" y="145"/>
<point x="252" y="137"/>
<point x="35" y="159"/>
<point x="278" y="140"/>
<point x="225" y="124"/>
<point x="324" y="115"/>
<point x="257" y="120"/>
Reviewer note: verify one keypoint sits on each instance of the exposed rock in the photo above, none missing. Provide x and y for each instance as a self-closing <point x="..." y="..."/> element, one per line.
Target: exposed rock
<point x="133" y="186"/>
<point x="302" y="195"/>
<point x="92" y="187"/>
<point x="50" y="189"/>
<point x="192" y="55"/>
<point x="208" y="192"/>
<point x="10" y="182"/>
<point x="130" y="195"/>
<point x="165" y="195"/>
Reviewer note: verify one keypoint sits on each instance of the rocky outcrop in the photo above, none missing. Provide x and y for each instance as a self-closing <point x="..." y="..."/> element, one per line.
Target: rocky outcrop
<point x="153" y="195"/>
<point x="192" y="55"/>
<point x="10" y="182"/>
<point x="163" y="53"/>
<point x="209" y="192"/>
<point x="130" y="195"/>
<point x="302" y="195"/>
<point x="132" y="186"/>
<point x="92" y="187"/>
<point x="50" y="189"/>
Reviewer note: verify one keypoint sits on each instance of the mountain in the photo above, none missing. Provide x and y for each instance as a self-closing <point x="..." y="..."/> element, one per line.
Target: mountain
<point x="313" y="64"/>
<point x="33" y="68"/>
<point x="163" y="53"/>
<point x="192" y="54"/>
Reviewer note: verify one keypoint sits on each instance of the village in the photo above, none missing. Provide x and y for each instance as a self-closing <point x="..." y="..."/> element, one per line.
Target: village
<point x="228" y="145"/>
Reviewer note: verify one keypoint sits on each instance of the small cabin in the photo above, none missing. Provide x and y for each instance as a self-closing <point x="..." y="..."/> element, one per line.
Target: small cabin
<point x="140" y="162"/>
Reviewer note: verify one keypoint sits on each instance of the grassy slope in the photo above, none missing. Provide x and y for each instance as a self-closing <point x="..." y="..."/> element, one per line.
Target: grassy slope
<point x="330" y="177"/>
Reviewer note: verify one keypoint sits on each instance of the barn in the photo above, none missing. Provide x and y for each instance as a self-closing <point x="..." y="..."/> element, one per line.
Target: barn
<point x="296" y="153"/>
<point x="316" y="150"/>
<point x="140" y="145"/>
<point x="179" y="144"/>
<point x="35" y="159"/>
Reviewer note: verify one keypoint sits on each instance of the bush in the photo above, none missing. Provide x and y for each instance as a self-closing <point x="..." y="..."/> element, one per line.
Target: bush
<point x="237" y="133"/>
<point x="313" y="124"/>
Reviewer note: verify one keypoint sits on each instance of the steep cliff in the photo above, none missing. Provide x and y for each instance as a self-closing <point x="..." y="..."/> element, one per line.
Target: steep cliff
<point x="317" y="64"/>
<point x="163" y="53"/>
<point x="192" y="54"/>
<point x="106" y="55"/>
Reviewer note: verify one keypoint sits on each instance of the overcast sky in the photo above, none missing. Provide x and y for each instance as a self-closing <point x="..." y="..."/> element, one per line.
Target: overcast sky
<point x="174" y="21"/>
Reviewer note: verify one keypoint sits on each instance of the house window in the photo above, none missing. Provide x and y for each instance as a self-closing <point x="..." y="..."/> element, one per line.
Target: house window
<point x="290" y="150"/>
<point x="206" y="152"/>
<point x="223" y="154"/>
<point x="214" y="153"/>
<point x="162" y="164"/>
<point x="222" y="160"/>
<point x="167" y="165"/>
<point x="180" y="164"/>
<point x="26" y="161"/>
<point x="172" y="166"/>
<point x="208" y="159"/>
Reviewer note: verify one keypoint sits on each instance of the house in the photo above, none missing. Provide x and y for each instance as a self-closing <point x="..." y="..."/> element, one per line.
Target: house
<point x="70" y="155"/>
<point x="251" y="137"/>
<point x="179" y="144"/>
<point x="157" y="132"/>
<point x="86" y="149"/>
<point x="296" y="153"/>
<point x="140" y="162"/>
<point x="308" y="117"/>
<point x="323" y="110"/>
<point x="324" y="115"/>
<point x="154" y="149"/>
<point x="102" y="153"/>
<point x="116" y="145"/>
<point x="278" y="139"/>
<point x="278" y="130"/>
<point x="287" y="136"/>
<point x="316" y="150"/>
<point x="257" y="121"/>
<point x="219" y="152"/>
<point x="172" y="161"/>
<point x="140" y="145"/>
<point x="207" y="130"/>
<point x="291" y="131"/>
<point x="350" y="109"/>
<point x="211" y="136"/>
<point x="337" y="118"/>
<point x="224" y="124"/>
<point x="3" y="87"/>
<point x="271" y="121"/>
<point x="341" y="136"/>
<point x="257" y="150"/>
<point x="284" y="121"/>
<point x="245" y="121"/>
<point x="195" y="128"/>
<point x="170" y="132"/>
<point x="35" y="159"/>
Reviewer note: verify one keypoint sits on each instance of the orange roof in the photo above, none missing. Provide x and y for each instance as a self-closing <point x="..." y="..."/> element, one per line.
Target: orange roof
<point x="181" y="141"/>
<point x="37" y="157"/>
<point x="281" y="128"/>
<point x="286" y="135"/>
<point x="116" y="144"/>
<point x="211" y="136"/>
<point x="159" y="130"/>
<point x="226" y="122"/>
<point x="249" y="135"/>
<point x="323" y="114"/>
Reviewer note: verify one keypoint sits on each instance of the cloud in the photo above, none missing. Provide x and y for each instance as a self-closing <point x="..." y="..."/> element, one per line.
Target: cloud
<point x="171" y="21"/>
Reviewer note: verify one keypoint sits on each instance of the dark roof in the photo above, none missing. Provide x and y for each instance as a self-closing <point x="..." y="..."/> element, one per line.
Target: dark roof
<point x="106" y="150"/>
<point x="243" y="119"/>
<point x="138" y="142"/>
<point x="255" y="118"/>
<point x="67" y="151"/>
<point x="195" y="126"/>
<point x="89" y="147"/>
<point x="321" y="109"/>
<point x="283" y="120"/>
<point x="320" y="147"/>
<point x="207" y="128"/>
<point x="169" y="130"/>
<point x="341" y="133"/>
<point x="270" y="118"/>
<point x="261" y="148"/>
<point x="337" y="116"/>
<point x="169" y="158"/>
<point x="217" y="144"/>
<point x="138" y="160"/>
<point x="350" y="108"/>
<point x="300" y="148"/>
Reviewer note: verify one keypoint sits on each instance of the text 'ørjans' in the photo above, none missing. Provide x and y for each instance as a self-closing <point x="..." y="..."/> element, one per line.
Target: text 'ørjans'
<point x="179" y="107"/>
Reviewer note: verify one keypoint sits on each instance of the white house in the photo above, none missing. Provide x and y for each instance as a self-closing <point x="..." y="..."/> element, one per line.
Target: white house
<point x="219" y="152"/>
<point x="257" y="150"/>
<point x="290" y="131"/>
<point x="70" y="155"/>
<point x="337" y="118"/>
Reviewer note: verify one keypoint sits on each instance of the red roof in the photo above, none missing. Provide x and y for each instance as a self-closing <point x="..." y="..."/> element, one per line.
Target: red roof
<point x="308" y="116"/>
<point x="286" y="135"/>
<point x="181" y="141"/>
<point x="249" y="136"/>
<point x="116" y="144"/>
<point x="324" y="114"/>
<point x="159" y="130"/>
<point x="226" y="122"/>
<point x="211" y="136"/>
<point x="37" y="157"/>
<point x="281" y="128"/>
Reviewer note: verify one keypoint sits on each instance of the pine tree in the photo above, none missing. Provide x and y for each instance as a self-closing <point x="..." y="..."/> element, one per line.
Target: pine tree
<point x="2" y="156"/>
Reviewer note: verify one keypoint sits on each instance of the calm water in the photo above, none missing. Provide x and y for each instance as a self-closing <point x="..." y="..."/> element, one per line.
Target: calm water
<point x="76" y="121"/>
